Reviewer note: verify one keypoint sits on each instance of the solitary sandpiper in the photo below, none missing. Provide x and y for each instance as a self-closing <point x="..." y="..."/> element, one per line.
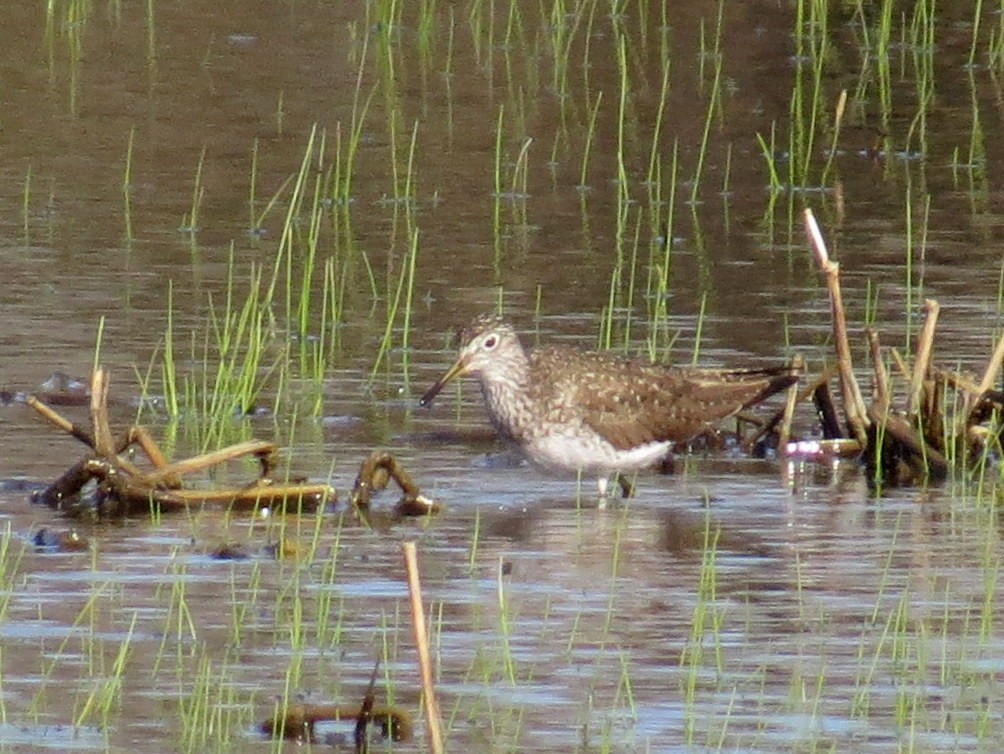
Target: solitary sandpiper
<point x="593" y="412"/>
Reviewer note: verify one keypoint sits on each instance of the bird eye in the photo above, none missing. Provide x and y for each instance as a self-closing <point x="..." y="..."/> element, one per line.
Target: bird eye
<point x="491" y="341"/>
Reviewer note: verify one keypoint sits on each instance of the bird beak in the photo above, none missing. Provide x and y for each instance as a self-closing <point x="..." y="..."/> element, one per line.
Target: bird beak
<point x="459" y="369"/>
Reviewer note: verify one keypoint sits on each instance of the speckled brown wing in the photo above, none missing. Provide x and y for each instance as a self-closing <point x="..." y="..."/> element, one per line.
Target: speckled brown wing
<point x="631" y="403"/>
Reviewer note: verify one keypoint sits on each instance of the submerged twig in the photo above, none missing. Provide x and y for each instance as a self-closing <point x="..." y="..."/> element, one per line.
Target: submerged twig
<point x="365" y="713"/>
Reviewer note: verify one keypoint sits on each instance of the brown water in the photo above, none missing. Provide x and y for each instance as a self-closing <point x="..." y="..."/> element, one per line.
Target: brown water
<point x="738" y="605"/>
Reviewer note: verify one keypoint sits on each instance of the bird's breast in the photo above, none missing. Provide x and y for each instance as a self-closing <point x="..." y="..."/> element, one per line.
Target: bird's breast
<point x="508" y="408"/>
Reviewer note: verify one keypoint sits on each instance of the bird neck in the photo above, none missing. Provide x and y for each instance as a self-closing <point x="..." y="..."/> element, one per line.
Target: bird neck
<point x="507" y="395"/>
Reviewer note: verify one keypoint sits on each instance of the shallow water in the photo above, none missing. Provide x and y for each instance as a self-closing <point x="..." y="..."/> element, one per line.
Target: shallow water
<point x="738" y="605"/>
<point x="815" y="618"/>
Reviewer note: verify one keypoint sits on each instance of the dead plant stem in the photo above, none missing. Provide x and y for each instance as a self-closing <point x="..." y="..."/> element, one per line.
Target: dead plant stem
<point x="922" y="364"/>
<point x="854" y="405"/>
<point x="432" y="720"/>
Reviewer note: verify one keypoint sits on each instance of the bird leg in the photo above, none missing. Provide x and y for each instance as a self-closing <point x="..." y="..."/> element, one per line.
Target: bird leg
<point x="627" y="486"/>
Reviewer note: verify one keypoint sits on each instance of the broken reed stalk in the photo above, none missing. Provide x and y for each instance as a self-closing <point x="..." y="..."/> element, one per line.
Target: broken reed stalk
<point x="901" y="366"/>
<point x="882" y="400"/>
<point x="103" y="444"/>
<point x="797" y="363"/>
<point x="259" y="448"/>
<point x="973" y="398"/>
<point x="993" y="369"/>
<point x="826" y="411"/>
<point x="854" y="405"/>
<point x="142" y="436"/>
<point x="922" y="362"/>
<point x="60" y="421"/>
<point x="433" y="730"/>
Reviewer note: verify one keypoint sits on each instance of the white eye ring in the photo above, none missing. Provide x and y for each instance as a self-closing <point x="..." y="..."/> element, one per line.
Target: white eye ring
<point x="490" y="341"/>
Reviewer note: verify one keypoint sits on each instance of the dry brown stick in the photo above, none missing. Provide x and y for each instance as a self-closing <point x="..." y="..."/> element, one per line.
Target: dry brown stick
<point x="52" y="416"/>
<point x="961" y="382"/>
<point x="828" y="420"/>
<point x="265" y="496"/>
<point x="993" y="367"/>
<point x="103" y="444"/>
<point x="921" y="457"/>
<point x="882" y="399"/>
<point x="922" y="362"/>
<point x="57" y="419"/>
<point x="142" y="436"/>
<point x="432" y="722"/>
<point x="854" y="405"/>
<point x="797" y="365"/>
<point x="190" y="465"/>
<point x="989" y="378"/>
<point x="901" y="366"/>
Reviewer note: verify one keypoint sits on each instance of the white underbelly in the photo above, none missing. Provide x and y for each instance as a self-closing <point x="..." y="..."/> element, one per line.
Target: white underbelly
<point x="572" y="452"/>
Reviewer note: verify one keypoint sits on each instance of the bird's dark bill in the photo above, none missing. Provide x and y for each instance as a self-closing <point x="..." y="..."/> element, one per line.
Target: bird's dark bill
<point x="431" y="393"/>
<point x="458" y="369"/>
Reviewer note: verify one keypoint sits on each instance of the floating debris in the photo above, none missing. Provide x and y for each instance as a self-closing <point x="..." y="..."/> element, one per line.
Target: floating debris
<point x="374" y="475"/>
<point x="121" y="488"/>
<point x="60" y="540"/>
<point x="229" y="551"/>
<point x="298" y="722"/>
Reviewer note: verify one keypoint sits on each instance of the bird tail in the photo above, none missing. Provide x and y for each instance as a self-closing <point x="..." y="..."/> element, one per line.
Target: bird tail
<point x="777" y="378"/>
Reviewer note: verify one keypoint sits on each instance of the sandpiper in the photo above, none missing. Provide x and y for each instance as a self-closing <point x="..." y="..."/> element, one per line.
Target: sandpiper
<point x="592" y="412"/>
